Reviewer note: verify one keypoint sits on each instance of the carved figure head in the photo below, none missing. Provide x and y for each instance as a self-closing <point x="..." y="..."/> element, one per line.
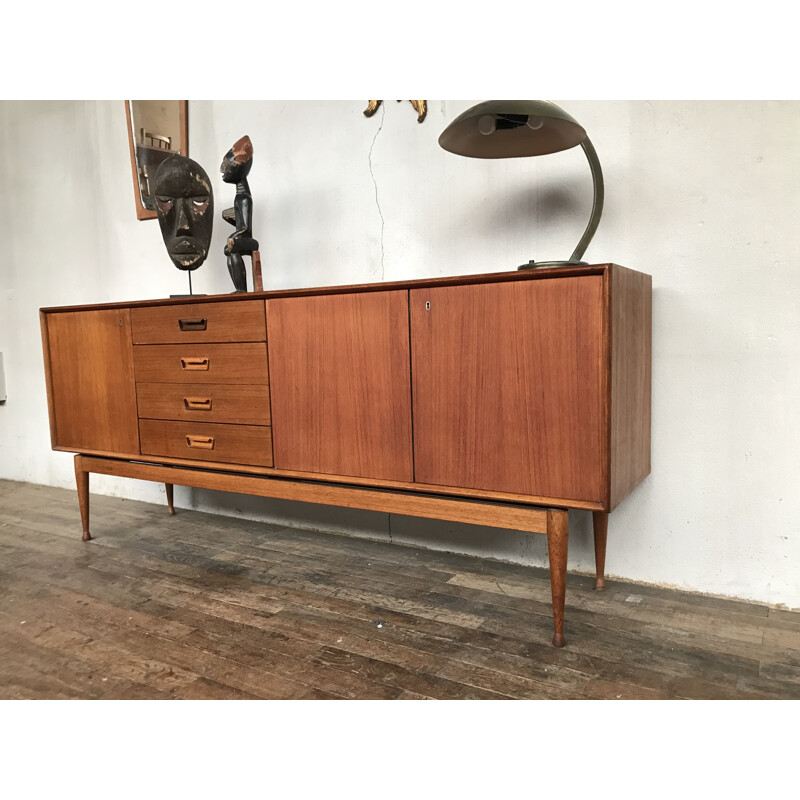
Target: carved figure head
<point x="185" y="209"/>
<point x="237" y="161"/>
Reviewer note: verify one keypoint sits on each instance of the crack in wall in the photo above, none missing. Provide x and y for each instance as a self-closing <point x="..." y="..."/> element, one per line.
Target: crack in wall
<point x="375" y="183"/>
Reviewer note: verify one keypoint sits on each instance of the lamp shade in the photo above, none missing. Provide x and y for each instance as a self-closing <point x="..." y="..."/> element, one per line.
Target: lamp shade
<point x="510" y="129"/>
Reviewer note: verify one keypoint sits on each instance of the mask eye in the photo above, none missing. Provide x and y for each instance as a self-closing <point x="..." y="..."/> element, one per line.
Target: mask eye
<point x="164" y="204"/>
<point x="199" y="204"/>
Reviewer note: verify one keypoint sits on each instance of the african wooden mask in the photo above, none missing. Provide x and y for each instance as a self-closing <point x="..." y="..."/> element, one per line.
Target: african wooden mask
<point x="185" y="208"/>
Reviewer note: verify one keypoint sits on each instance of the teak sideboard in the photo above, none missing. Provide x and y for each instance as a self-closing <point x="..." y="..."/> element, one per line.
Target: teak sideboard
<point x="500" y="400"/>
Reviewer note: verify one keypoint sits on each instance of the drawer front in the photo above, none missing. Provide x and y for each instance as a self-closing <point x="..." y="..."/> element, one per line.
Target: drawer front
<point x="204" y="402"/>
<point x="201" y="322"/>
<point x="207" y="441"/>
<point x="203" y="363"/>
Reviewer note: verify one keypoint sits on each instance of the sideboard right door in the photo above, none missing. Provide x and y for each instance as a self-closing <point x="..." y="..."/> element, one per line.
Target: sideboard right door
<point x="507" y="387"/>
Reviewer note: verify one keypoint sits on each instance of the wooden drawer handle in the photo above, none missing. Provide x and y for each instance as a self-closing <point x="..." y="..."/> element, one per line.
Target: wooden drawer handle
<point x="194" y="363"/>
<point x="192" y="324"/>
<point x="197" y="403"/>
<point x="203" y="442"/>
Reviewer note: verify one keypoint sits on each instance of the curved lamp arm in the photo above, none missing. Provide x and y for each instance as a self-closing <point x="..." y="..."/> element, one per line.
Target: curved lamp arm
<point x="597" y="203"/>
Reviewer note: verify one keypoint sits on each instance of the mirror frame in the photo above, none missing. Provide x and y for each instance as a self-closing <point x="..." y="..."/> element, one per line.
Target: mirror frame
<point x="141" y="211"/>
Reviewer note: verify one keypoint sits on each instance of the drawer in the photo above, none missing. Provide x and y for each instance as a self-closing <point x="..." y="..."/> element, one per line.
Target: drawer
<point x="201" y="363"/>
<point x="207" y="441"/>
<point x="204" y="402"/>
<point x="200" y="322"/>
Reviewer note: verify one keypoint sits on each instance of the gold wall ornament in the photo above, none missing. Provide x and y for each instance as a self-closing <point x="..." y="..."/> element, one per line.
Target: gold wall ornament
<point x="420" y="106"/>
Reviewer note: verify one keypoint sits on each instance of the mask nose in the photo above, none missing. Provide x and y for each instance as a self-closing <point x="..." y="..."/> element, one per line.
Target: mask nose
<point x="182" y="226"/>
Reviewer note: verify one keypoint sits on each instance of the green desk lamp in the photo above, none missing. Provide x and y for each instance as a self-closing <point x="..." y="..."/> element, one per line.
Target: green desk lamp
<point x="514" y="128"/>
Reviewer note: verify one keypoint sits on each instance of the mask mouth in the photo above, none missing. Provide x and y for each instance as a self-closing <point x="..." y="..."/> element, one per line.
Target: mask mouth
<point x="186" y="253"/>
<point x="187" y="260"/>
<point x="186" y="247"/>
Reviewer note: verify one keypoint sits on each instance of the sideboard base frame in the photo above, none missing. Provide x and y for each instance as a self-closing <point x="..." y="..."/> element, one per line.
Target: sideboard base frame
<point x="553" y="522"/>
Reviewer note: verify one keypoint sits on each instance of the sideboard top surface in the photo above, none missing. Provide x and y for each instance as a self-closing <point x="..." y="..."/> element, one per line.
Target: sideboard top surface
<point x="491" y="277"/>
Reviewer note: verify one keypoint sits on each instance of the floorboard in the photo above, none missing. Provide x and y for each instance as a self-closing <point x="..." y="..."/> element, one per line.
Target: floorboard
<point x="198" y="606"/>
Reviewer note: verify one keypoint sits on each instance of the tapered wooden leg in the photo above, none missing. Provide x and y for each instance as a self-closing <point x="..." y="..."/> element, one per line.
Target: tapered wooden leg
<point x="170" y="507"/>
<point x="557" y="536"/>
<point x="82" y="479"/>
<point x="600" y="523"/>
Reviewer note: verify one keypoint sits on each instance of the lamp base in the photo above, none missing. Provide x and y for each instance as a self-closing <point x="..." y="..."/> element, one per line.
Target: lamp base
<point x="543" y="264"/>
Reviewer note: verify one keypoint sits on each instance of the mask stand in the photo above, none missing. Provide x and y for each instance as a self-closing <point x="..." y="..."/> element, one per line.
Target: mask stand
<point x="191" y="293"/>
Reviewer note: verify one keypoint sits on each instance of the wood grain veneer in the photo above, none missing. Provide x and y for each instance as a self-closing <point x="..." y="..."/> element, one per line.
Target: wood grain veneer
<point x="507" y="387"/>
<point x="340" y="378"/>
<point x="631" y="312"/>
<point x="201" y="363"/>
<point x="451" y="280"/>
<point x="90" y="379"/>
<point x="207" y="441"/>
<point x="355" y="480"/>
<point x="48" y="376"/>
<point x="199" y="322"/>
<point x="239" y="404"/>
<point x="521" y="518"/>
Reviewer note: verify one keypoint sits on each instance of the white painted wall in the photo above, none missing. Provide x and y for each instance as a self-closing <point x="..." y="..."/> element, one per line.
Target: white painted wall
<point x="702" y="195"/>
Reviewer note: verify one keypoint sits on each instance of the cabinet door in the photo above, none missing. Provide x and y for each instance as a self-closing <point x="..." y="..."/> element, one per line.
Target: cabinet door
<point x="340" y="384"/>
<point x="507" y="387"/>
<point x="92" y="388"/>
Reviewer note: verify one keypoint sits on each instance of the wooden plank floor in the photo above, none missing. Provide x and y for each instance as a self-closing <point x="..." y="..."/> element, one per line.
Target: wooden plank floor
<point x="202" y="606"/>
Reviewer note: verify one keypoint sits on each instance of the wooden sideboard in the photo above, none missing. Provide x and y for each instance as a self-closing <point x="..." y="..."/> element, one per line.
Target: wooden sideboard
<point x="500" y="400"/>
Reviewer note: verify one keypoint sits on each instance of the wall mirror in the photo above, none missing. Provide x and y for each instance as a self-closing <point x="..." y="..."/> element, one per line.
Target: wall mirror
<point x="157" y="129"/>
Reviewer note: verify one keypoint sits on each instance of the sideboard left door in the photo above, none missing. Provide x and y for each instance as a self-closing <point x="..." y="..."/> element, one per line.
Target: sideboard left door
<point x="91" y="385"/>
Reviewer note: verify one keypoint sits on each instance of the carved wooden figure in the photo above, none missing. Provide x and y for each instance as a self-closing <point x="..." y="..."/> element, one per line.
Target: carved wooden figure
<point x="235" y="168"/>
<point x="185" y="209"/>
